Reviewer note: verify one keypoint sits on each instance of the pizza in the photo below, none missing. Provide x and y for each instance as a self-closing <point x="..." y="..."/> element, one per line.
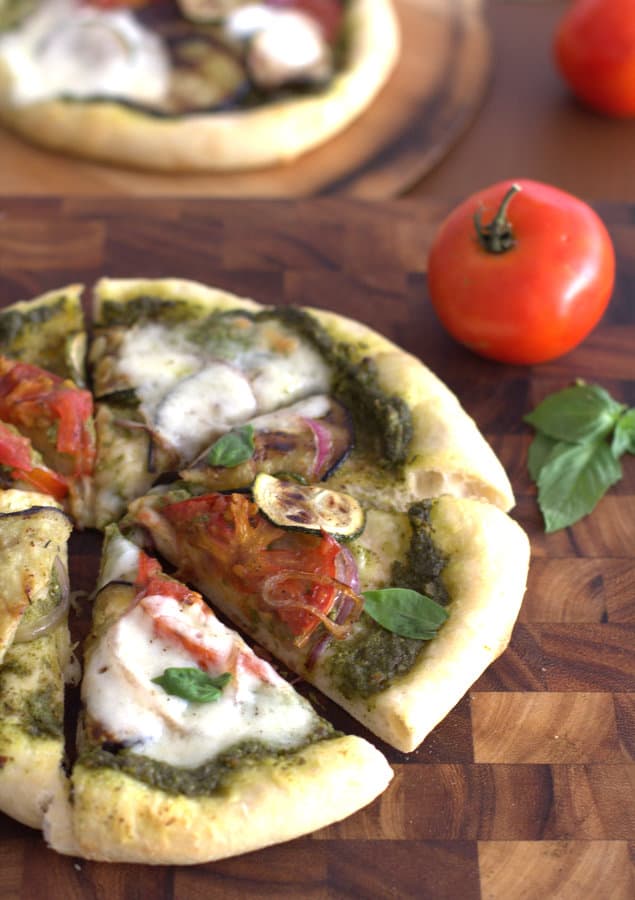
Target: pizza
<point x="35" y="651"/>
<point x="191" y="747"/>
<point x="285" y="467"/>
<point x="187" y="85"/>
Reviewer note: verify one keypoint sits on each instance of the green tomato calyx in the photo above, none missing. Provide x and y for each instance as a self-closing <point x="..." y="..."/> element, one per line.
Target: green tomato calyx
<point x="497" y="236"/>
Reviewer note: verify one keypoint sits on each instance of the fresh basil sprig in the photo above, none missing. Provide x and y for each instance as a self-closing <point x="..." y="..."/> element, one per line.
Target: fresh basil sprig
<point x="192" y="684"/>
<point x="581" y="433"/>
<point x="233" y="448"/>
<point x="405" y="612"/>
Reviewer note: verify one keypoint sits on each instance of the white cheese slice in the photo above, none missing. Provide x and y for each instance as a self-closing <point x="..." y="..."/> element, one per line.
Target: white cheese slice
<point x="74" y="49"/>
<point x="193" y="390"/>
<point x="119" y="693"/>
<point x="203" y="406"/>
<point x="290" y="46"/>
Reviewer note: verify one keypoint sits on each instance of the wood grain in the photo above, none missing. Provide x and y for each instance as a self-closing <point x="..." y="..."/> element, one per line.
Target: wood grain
<point x="527" y="789"/>
<point x="431" y="98"/>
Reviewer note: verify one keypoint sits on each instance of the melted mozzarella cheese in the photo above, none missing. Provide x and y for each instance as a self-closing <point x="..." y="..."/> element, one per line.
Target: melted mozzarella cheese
<point x="72" y="49"/>
<point x="245" y="21"/>
<point x="119" y="693"/>
<point x="190" y="392"/>
<point x="154" y="360"/>
<point x="203" y="406"/>
<point x="288" y="47"/>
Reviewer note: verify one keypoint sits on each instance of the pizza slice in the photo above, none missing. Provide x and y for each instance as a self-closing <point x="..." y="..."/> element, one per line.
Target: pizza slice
<point x="35" y="652"/>
<point x="192" y="748"/>
<point x="200" y="85"/>
<point x="177" y="365"/>
<point x="392" y="614"/>
<point x="46" y="427"/>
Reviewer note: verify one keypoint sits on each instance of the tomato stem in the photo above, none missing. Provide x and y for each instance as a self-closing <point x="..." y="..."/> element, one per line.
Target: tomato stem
<point x="498" y="236"/>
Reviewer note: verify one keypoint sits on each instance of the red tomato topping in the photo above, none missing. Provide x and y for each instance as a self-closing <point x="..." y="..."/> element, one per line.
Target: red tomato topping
<point x="249" y="549"/>
<point x="15" y="449"/>
<point x="44" y="480"/>
<point x="34" y="399"/>
<point x="152" y="582"/>
<point x="16" y="452"/>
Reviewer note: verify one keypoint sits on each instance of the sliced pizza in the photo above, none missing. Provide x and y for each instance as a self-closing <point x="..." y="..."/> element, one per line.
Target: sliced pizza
<point x="198" y="85"/>
<point x="46" y="414"/>
<point x="177" y="365"/>
<point x="192" y="748"/>
<point x="393" y="615"/>
<point x="35" y="652"/>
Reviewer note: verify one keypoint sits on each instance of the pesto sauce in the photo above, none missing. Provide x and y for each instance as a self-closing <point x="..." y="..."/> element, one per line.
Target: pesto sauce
<point x="14" y="321"/>
<point x="377" y="415"/>
<point x="383" y="421"/>
<point x="145" y="307"/>
<point x="203" y="780"/>
<point x="44" y="605"/>
<point x="44" y="714"/>
<point x="369" y="661"/>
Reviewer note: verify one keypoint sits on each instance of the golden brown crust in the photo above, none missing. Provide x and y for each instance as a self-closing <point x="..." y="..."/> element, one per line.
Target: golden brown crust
<point x="267" y="135"/>
<point x="116" y="818"/>
<point x="487" y="561"/>
<point x="447" y="453"/>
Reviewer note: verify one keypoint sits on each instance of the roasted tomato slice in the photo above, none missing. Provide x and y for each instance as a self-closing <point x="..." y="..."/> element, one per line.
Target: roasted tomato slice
<point x="54" y="414"/>
<point x="16" y="453"/>
<point x="290" y="574"/>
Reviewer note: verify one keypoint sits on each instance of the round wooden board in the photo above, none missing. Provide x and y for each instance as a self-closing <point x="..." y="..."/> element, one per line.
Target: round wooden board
<point x="433" y="95"/>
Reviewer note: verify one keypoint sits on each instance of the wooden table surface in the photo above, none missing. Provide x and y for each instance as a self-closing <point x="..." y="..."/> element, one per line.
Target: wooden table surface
<point x="527" y="789"/>
<point x="529" y="126"/>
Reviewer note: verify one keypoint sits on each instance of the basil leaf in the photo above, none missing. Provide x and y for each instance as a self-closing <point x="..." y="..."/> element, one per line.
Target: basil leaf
<point x="539" y="452"/>
<point x="405" y="612"/>
<point x="624" y="435"/>
<point x="192" y="684"/>
<point x="573" y="479"/>
<point x="577" y="414"/>
<point x="233" y="448"/>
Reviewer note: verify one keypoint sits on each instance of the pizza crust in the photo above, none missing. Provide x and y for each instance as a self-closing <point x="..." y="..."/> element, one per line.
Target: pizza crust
<point x="31" y="765"/>
<point x="486" y="573"/>
<point x="115" y="818"/>
<point x="236" y="140"/>
<point x="109" y="815"/>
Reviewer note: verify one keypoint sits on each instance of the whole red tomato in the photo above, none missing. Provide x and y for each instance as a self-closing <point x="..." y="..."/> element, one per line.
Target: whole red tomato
<point x="521" y="272"/>
<point x="595" y="51"/>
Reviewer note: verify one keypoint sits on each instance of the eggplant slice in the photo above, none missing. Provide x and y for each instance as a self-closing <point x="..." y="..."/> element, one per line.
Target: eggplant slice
<point x="306" y="441"/>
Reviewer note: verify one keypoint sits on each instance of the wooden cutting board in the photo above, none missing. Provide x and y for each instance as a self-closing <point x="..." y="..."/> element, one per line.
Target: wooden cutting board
<point x="433" y="95"/>
<point x="527" y="789"/>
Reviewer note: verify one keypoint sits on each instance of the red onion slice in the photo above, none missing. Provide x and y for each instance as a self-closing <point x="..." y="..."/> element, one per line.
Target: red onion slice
<point x="30" y="631"/>
<point x="346" y="569"/>
<point x="323" y="444"/>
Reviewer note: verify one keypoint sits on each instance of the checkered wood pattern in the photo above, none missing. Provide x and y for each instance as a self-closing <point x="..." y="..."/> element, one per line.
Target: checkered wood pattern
<point x="527" y="789"/>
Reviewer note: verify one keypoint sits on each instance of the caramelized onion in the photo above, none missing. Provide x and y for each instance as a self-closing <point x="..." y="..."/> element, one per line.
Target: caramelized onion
<point x="338" y="629"/>
<point x="323" y="444"/>
<point x="30" y="631"/>
<point x="346" y="569"/>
